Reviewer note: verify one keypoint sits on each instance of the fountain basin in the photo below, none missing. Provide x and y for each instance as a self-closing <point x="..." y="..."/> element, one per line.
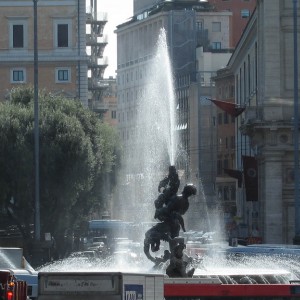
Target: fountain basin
<point x="246" y="276"/>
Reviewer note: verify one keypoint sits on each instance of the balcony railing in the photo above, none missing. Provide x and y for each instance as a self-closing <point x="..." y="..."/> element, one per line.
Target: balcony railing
<point x="95" y="16"/>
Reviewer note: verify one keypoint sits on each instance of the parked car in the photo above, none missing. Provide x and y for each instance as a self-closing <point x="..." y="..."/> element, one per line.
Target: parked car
<point x="89" y="254"/>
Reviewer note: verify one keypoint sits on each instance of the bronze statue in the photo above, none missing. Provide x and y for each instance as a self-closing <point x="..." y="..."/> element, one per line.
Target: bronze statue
<point x="170" y="183"/>
<point x="177" y="265"/>
<point x="170" y="208"/>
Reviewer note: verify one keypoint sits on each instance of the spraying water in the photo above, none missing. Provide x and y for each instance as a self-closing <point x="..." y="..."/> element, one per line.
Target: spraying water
<point x="156" y="113"/>
<point x="154" y="143"/>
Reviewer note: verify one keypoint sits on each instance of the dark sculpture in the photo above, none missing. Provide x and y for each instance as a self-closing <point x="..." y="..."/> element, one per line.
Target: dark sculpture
<point x="177" y="265"/>
<point x="170" y="183"/>
<point x="169" y="209"/>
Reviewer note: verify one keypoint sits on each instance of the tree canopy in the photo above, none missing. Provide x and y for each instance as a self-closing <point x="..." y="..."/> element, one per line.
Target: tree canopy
<point x="78" y="152"/>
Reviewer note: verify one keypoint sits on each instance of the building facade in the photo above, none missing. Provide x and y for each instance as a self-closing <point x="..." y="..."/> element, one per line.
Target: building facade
<point x="263" y="70"/>
<point x="61" y="47"/>
<point x="110" y="100"/>
<point x="241" y="13"/>
<point x="70" y="45"/>
<point x="228" y="178"/>
<point x="203" y="134"/>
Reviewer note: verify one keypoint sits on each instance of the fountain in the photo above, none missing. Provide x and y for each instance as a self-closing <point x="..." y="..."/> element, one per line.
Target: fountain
<point x="159" y="146"/>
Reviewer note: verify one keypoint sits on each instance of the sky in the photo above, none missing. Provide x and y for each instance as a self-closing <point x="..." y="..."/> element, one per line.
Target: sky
<point x="118" y="12"/>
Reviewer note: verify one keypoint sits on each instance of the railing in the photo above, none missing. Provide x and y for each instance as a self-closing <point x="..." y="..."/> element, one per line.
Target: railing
<point x="95" y="16"/>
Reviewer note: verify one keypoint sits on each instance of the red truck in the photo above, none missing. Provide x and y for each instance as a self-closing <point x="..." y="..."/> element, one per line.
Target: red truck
<point x="11" y="288"/>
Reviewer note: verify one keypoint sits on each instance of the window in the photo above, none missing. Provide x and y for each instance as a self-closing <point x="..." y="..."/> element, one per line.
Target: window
<point x="62" y="32"/>
<point x="245" y="13"/>
<point x="17" y="34"/>
<point x="216" y="26"/>
<point x="226" y="118"/>
<point x="220" y="118"/>
<point x="199" y="25"/>
<point x="220" y="193"/>
<point x="62" y="35"/>
<point x="232" y="190"/>
<point x="63" y="75"/>
<point x="226" y="193"/>
<point x="219" y="167"/>
<point x="17" y="76"/>
<point x="232" y="142"/>
<point x="216" y="45"/>
<point x="226" y="163"/>
<point x="231" y="91"/>
<point x="113" y="114"/>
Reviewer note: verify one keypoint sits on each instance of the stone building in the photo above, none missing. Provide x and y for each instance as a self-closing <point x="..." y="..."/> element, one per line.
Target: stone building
<point x="241" y="11"/>
<point x="263" y="65"/>
<point x="61" y="47"/>
<point x="64" y="66"/>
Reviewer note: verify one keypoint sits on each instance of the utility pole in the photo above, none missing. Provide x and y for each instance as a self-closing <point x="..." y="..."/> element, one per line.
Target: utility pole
<point x="296" y="129"/>
<point x="36" y="128"/>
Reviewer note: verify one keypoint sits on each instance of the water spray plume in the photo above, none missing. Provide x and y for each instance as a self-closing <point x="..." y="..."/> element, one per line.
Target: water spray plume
<point x="156" y="114"/>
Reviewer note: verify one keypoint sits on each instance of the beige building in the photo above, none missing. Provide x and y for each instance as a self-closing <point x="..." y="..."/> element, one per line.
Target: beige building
<point x="262" y="65"/>
<point x="63" y="63"/>
<point x="62" y="56"/>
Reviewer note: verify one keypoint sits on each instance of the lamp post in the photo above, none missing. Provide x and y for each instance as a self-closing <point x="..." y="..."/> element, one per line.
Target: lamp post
<point x="296" y="129"/>
<point x="36" y="128"/>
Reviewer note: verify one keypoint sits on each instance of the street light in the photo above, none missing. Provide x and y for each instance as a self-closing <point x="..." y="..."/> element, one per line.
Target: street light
<point x="36" y="128"/>
<point x="296" y="133"/>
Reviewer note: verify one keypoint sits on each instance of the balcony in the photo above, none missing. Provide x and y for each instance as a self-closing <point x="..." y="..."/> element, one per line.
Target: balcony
<point x="97" y="63"/>
<point x="92" y="16"/>
<point x="97" y="84"/>
<point x="98" y="106"/>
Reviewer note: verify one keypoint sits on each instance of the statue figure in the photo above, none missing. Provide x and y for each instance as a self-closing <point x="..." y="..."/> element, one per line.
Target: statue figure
<point x="170" y="208"/>
<point x="178" y="264"/>
<point x="174" y="208"/>
<point x="170" y="185"/>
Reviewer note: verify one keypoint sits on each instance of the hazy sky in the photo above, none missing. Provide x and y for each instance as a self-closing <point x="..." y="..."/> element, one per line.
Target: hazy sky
<point x="118" y="12"/>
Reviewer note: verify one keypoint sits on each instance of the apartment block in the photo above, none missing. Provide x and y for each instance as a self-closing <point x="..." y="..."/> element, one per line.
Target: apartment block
<point x="62" y="60"/>
<point x="263" y="70"/>
<point x="241" y="11"/>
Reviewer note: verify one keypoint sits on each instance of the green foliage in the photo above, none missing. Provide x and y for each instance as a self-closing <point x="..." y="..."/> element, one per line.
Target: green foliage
<point x="77" y="154"/>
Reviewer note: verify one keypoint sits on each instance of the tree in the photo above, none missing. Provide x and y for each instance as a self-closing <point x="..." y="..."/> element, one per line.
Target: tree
<point x="77" y="153"/>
